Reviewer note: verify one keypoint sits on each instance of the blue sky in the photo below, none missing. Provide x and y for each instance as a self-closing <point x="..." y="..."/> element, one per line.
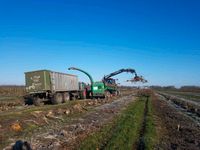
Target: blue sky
<point x="160" y="39"/>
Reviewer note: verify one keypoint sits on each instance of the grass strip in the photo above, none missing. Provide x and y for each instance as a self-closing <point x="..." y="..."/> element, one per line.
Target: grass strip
<point x="122" y="133"/>
<point x="150" y="136"/>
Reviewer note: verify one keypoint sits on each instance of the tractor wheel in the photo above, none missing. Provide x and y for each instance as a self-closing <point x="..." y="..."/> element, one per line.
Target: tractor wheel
<point x="37" y="101"/>
<point x="107" y="95"/>
<point x="57" y="98"/>
<point x="117" y="93"/>
<point x="66" y="97"/>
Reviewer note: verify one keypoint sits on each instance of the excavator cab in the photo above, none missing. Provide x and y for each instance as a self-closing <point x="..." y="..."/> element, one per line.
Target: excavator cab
<point x="110" y="81"/>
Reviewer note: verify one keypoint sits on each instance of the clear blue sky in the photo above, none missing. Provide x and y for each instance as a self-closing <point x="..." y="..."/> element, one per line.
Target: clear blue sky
<point x="159" y="38"/>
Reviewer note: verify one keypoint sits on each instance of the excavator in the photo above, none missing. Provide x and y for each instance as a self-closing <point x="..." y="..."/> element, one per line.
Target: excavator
<point x="110" y="81"/>
<point x="107" y="87"/>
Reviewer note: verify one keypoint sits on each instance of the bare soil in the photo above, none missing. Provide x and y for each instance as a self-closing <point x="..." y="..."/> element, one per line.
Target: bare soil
<point x="64" y="126"/>
<point x="60" y="127"/>
<point x="176" y="130"/>
<point x="69" y="135"/>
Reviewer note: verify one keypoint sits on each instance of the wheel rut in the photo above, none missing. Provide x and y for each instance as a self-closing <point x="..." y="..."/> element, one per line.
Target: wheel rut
<point x="141" y="143"/>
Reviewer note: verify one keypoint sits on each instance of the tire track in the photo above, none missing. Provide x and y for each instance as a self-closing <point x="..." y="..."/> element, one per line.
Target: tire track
<point x="188" y="108"/>
<point x="141" y="144"/>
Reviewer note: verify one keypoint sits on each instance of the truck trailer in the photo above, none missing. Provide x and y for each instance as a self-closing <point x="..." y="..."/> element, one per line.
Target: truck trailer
<point x="50" y="86"/>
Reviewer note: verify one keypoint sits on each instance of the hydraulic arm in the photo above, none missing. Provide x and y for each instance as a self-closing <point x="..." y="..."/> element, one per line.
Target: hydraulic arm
<point x="108" y="79"/>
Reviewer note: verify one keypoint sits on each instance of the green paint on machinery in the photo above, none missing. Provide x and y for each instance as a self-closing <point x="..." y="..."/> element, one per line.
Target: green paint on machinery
<point x="48" y="86"/>
<point x="96" y="88"/>
<point x="107" y="86"/>
<point x="37" y="81"/>
<point x="55" y="87"/>
<point x="46" y="80"/>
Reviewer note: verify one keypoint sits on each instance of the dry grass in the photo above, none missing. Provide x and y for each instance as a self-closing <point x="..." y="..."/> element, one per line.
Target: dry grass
<point x="12" y="90"/>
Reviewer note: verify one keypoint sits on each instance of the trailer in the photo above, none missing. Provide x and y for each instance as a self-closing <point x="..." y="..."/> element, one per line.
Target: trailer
<point x="50" y="86"/>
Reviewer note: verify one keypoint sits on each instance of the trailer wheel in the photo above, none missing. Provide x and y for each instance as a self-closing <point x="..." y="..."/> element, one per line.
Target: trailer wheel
<point x="57" y="98"/>
<point x="66" y="97"/>
<point x="37" y="101"/>
<point x="74" y="97"/>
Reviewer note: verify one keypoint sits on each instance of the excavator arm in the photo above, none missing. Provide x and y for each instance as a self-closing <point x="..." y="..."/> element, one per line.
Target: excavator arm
<point x="136" y="78"/>
<point x="108" y="79"/>
<point x="118" y="72"/>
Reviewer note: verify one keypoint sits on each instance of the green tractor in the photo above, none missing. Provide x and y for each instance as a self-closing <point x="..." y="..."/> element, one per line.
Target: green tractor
<point x="107" y="87"/>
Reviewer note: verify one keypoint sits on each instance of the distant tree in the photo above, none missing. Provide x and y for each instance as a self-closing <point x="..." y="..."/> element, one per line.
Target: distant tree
<point x="169" y="87"/>
<point x="157" y="87"/>
<point x="190" y="88"/>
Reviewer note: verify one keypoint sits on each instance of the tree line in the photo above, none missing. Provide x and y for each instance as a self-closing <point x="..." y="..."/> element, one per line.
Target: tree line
<point x="188" y="88"/>
<point x="12" y="90"/>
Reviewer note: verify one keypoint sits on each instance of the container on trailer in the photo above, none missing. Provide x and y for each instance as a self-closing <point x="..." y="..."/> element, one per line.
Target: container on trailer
<point x="64" y="82"/>
<point x="46" y="80"/>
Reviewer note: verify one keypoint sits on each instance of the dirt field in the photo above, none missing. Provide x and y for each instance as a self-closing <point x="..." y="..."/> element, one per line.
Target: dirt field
<point x="42" y="122"/>
<point x="132" y="121"/>
<point x="192" y="96"/>
<point x="177" y="130"/>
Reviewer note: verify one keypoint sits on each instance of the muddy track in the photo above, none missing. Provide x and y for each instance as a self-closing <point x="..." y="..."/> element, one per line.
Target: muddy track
<point x="141" y="144"/>
<point x="190" y="109"/>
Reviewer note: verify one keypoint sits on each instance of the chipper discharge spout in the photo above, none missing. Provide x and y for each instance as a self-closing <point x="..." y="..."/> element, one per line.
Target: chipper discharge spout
<point x="90" y="77"/>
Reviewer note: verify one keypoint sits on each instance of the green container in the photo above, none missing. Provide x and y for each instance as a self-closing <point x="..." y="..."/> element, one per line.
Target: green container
<point x="46" y="80"/>
<point x="38" y="81"/>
